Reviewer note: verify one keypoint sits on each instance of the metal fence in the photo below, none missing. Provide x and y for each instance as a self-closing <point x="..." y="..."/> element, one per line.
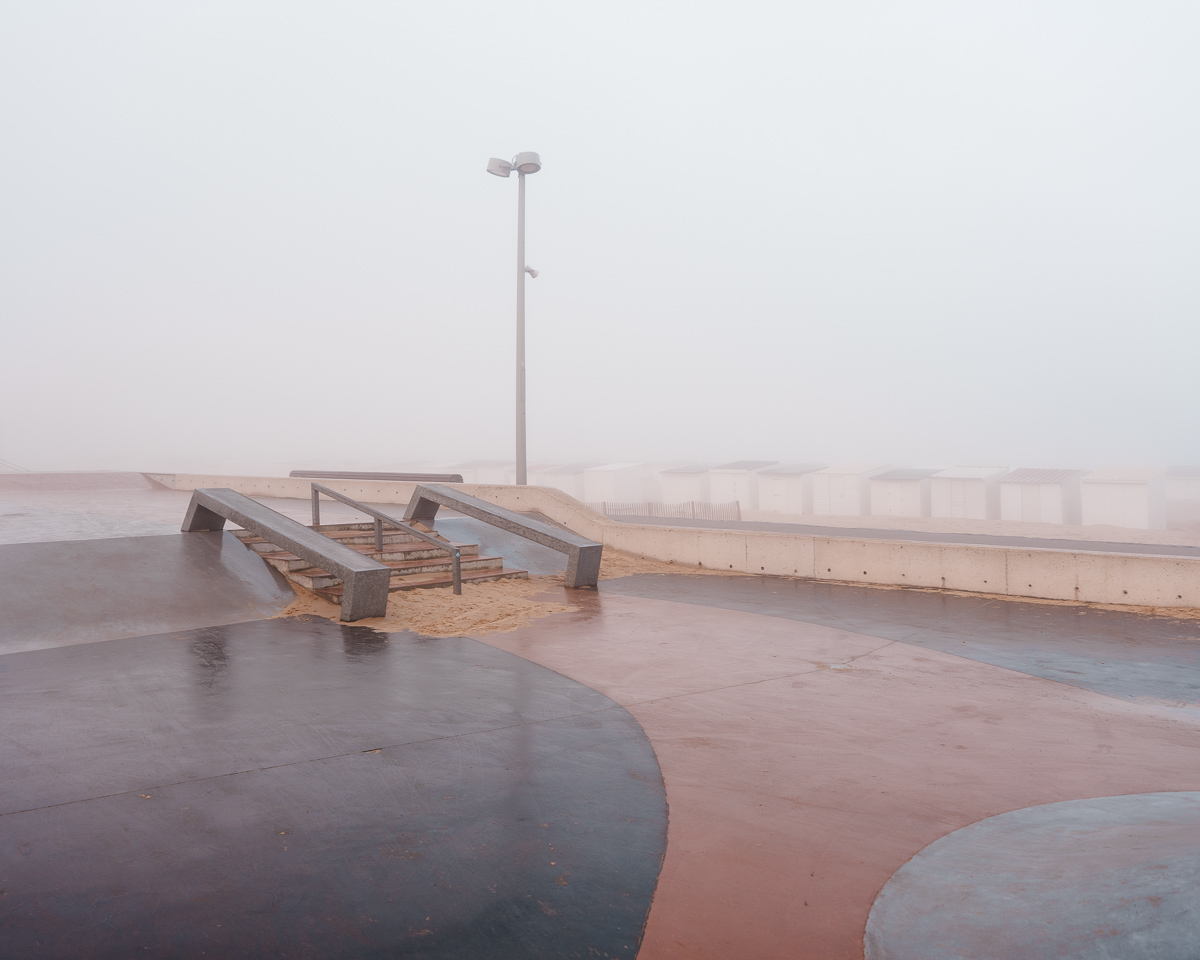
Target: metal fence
<point x="691" y="510"/>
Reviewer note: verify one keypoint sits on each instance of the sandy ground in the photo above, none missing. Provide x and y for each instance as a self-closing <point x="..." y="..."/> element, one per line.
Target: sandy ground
<point x="498" y="606"/>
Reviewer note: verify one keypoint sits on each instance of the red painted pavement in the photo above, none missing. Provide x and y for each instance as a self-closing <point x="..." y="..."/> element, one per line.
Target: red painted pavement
<point x="797" y="789"/>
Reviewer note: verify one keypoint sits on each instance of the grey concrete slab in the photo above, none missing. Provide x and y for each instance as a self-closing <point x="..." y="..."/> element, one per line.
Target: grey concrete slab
<point x="1149" y="659"/>
<point x="583" y="555"/>
<point x="274" y="678"/>
<point x="69" y="592"/>
<point x="1114" y="878"/>
<point x="300" y="788"/>
<point x="364" y="580"/>
<point x="36" y="516"/>
<point x="917" y="536"/>
<point x="493" y="541"/>
<point x="33" y="523"/>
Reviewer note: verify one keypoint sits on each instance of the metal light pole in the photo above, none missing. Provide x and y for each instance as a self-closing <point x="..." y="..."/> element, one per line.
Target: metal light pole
<point x="523" y="163"/>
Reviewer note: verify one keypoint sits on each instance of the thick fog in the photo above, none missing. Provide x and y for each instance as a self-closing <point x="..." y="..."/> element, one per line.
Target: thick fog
<point x="255" y="236"/>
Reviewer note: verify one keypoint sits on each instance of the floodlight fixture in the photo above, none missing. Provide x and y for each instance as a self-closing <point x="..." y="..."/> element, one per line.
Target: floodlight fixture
<point x="527" y="162"/>
<point x="501" y="168"/>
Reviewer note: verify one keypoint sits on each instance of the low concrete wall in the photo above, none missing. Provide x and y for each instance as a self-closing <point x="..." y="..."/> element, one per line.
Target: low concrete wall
<point x="1107" y="578"/>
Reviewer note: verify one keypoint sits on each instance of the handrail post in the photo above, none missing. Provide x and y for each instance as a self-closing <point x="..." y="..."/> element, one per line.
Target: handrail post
<point x="379" y="519"/>
<point x="316" y="506"/>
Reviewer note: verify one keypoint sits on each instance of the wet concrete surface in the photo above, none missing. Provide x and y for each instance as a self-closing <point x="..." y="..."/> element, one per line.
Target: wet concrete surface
<point x="66" y="592"/>
<point x="1116" y="877"/>
<point x="1153" y="659"/>
<point x="516" y="551"/>
<point x="814" y="740"/>
<point x="929" y="536"/>
<point x="40" y="516"/>
<point x="36" y="514"/>
<point x="807" y="762"/>
<point x="298" y="788"/>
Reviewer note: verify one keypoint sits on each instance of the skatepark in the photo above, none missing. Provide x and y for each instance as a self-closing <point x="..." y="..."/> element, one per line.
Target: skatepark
<point x="677" y="763"/>
<point x="599" y="481"/>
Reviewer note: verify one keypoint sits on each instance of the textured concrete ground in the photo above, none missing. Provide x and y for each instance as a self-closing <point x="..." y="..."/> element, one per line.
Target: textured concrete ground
<point x="806" y="763"/>
<point x="298" y="788"/>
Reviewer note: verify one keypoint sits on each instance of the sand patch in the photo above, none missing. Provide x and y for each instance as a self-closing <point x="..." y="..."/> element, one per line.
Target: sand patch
<point x="614" y="563"/>
<point x="499" y="606"/>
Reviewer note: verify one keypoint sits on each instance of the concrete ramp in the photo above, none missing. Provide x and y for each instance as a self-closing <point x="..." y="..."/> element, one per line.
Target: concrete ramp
<point x="80" y="591"/>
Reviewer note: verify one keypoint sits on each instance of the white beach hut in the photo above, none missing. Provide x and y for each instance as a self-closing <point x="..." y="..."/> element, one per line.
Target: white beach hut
<point x="736" y="481"/>
<point x="1183" y="484"/>
<point x="615" y="483"/>
<point x="684" y="484"/>
<point x="567" y="477"/>
<point x="901" y="493"/>
<point x="844" y="491"/>
<point x="787" y="489"/>
<point x="966" y="492"/>
<point x="1040" y="496"/>
<point x="1125" y="497"/>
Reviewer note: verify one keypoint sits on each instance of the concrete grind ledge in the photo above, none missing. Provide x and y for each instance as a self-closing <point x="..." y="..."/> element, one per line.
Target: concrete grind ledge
<point x="1126" y="580"/>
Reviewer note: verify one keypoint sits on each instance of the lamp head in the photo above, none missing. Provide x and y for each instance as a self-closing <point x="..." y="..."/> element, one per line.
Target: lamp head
<point x="527" y="162"/>
<point x="501" y="168"/>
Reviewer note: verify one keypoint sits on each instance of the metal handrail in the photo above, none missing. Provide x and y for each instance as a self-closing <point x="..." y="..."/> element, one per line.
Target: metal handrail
<point x="380" y="519"/>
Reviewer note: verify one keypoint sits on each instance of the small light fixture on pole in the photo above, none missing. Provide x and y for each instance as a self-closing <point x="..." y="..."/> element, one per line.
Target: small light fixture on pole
<point x="523" y="163"/>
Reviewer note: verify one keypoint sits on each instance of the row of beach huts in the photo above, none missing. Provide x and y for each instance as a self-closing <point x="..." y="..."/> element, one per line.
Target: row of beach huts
<point x="1115" y="496"/>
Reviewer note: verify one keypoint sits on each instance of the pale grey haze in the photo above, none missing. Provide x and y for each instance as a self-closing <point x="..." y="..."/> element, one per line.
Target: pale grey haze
<point x="260" y="235"/>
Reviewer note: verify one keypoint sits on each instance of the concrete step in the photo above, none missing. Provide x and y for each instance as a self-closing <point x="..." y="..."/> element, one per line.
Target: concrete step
<point x="350" y="538"/>
<point x="413" y="551"/>
<point x="423" y="580"/>
<point x="415" y="563"/>
<point x="349" y="533"/>
<point x="314" y="578"/>
<point x="285" y="562"/>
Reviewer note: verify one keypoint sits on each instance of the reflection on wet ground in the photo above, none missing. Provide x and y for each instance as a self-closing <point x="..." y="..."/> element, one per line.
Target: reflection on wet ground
<point x="302" y="788"/>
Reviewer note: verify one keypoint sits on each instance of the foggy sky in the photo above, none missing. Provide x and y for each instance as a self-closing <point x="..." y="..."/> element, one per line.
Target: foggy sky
<point x="256" y="236"/>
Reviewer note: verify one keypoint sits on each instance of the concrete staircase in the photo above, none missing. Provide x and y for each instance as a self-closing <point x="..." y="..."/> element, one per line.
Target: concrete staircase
<point x="415" y="563"/>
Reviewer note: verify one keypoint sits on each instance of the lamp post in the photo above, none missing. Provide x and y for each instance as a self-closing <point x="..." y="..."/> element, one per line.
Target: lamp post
<point x="523" y="163"/>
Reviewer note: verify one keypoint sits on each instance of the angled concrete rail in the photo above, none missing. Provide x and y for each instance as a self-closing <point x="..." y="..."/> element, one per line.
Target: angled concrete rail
<point x="365" y="581"/>
<point x="583" y="555"/>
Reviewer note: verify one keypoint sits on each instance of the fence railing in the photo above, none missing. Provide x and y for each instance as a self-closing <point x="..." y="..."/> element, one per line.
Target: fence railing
<point x="380" y="519"/>
<point x="691" y="510"/>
